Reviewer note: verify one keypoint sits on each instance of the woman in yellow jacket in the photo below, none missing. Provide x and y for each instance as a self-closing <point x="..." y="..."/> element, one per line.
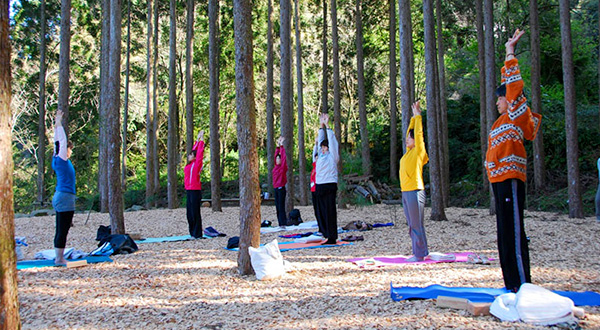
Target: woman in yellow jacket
<point x="411" y="182"/>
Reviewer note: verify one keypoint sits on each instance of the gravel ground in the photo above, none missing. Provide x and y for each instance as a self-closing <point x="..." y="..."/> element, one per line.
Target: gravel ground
<point x="196" y="285"/>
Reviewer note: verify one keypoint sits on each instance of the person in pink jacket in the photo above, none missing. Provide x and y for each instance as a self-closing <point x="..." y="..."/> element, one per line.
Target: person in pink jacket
<point x="279" y="181"/>
<point x="193" y="187"/>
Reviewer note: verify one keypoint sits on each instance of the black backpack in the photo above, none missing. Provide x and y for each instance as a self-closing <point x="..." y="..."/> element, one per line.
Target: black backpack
<point x="295" y="218"/>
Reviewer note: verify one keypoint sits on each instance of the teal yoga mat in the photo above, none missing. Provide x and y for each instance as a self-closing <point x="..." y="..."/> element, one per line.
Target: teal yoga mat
<point x="50" y="263"/>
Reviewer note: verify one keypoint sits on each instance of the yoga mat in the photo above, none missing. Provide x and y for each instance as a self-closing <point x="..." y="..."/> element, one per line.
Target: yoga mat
<point x="168" y="239"/>
<point x="399" y="260"/>
<point x="287" y="246"/>
<point x="50" y="263"/>
<point x="304" y="225"/>
<point x="587" y="298"/>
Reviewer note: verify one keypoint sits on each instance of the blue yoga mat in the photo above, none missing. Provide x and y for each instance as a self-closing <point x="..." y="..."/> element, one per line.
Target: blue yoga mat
<point x="167" y="239"/>
<point x="587" y="298"/>
<point x="50" y="263"/>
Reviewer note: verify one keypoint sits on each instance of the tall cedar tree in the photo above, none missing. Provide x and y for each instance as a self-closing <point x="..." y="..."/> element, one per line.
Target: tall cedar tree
<point x="362" y="99"/>
<point x="156" y="175"/>
<point x="287" y="116"/>
<point x="575" y="206"/>
<point x="270" y="105"/>
<point x="443" y="110"/>
<point x="325" y="73"/>
<point x="301" y="147"/>
<point x="490" y="76"/>
<point x="189" y="86"/>
<point x="337" y="111"/>
<point x="149" y="113"/>
<point x="393" y="95"/>
<point x="246" y="134"/>
<point x="41" y="151"/>
<point x="539" y="166"/>
<point x="173" y="123"/>
<point x="126" y="100"/>
<point x="213" y="68"/>
<point x="9" y="301"/>
<point x="103" y="108"/>
<point x="437" y="203"/>
<point x="407" y="74"/>
<point x="482" y="90"/>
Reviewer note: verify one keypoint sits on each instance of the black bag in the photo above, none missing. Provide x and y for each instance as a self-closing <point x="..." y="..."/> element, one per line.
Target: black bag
<point x="233" y="242"/>
<point x="121" y="244"/>
<point x="103" y="232"/>
<point x="295" y="218"/>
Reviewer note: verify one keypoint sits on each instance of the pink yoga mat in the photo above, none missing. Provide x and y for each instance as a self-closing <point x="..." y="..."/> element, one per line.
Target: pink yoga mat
<point x="296" y="246"/>
<point x="398" y="260"/>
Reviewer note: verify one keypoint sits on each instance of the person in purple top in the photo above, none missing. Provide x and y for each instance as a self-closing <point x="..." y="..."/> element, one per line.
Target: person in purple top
<point x="64" y="196"/>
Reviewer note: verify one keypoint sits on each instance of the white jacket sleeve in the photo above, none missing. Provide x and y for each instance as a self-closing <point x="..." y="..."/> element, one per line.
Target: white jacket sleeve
<point x="334" y="147"/>
<point x="61" y="137"/>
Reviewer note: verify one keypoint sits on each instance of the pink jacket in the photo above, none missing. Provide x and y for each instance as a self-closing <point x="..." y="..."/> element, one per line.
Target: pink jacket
<point x="192" y="170"/>
<point x="280" y="171"/>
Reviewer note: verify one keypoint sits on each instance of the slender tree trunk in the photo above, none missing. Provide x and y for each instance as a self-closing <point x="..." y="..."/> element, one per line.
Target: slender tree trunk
<point x="436" y="186"/>
<point x="189" y="86"/>
<point x="301" y="149"/>
<point x="490" y="76"/>
<point x="598" y="64"/>
<point x="393" y="95"/>
<point x="215" y="146"/>
<point x="9" y="301"/>
<point x="172" y="145"/>
<point x="270" y="105"/>
<point x="149" y="114"/>
<point x="575" y="206"/>
<point x="103" y="105"/>
<point x="246" y="132"/>
<point x="482" y="91"/>
<point x="324" y="81"/>
<point x="287" y="116"/>
<point x="337" y="111"/>
<point x="156" y="185"/>
<point x="362" y="102"/>
<point x="407" y="86"/>
<point x="63" y="62"/>
<point x="41" y="151"/>
<point x="444" y="152"/>
<point x="126" y="100"/>
<point x="539" y="167"/>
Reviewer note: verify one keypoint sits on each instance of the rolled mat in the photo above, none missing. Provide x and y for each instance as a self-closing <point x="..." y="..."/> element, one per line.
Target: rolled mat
<point x="50" y="263"/>
<point x="587" y="298"/>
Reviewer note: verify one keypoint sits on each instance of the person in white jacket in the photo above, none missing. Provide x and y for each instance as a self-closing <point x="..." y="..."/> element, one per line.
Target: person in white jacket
<point x="326" y="179"/>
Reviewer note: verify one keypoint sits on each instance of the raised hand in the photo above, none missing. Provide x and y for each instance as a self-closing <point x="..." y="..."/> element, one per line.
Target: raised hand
<point x="201" y="135"/>
<point x="512" y="42"/>
<point x="416" y="109"/>
<point x="59" y="116"/>
<point x="280" y="141"/>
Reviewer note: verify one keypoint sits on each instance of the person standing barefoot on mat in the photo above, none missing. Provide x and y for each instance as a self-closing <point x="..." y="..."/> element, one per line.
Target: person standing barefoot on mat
<point x="280" y="180"/>
<point x="326" y="180"/>
<point x="506" y="165"/>
<point x="64" y="196"/>
<point x="193" y="187"/>
<point x="411" y="182"/>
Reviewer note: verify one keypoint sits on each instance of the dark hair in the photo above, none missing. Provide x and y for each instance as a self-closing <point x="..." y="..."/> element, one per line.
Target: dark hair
<point x="69" y="144"/>
<point x="325" y="143"/>
<point x="278" y="155"/>
<point x="193" y="152"/>
<point x="501" y="90"/>
<point x="411" y="133"/>
<point x="316" y="154"/>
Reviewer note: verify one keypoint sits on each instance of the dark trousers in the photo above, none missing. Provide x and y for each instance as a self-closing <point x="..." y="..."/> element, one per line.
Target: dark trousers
<point x="63" y="224"/>
<point x="326" y="208"/>
<point x="316" y="208"/>
<point x="598" y="203"/>
<point x="280" y="205"/>
<point x="194" y="218"/>
<point x="512" y="240"/>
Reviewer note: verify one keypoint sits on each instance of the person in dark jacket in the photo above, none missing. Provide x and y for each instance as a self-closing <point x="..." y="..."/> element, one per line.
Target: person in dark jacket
<point x="193" y="186"/>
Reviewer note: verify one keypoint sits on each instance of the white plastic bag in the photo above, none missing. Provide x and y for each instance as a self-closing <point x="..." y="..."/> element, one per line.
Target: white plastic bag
<point x="541" y="306"/>
<point x="267" y="261"/>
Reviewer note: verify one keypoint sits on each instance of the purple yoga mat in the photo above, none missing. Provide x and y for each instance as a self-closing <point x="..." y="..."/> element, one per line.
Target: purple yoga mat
<point x="396" y="260"/>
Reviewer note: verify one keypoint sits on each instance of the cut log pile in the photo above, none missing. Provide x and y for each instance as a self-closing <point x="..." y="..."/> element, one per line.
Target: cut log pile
<point x="375" y="192"/>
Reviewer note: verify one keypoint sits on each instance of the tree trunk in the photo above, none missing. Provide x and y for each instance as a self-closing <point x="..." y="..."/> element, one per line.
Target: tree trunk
<point x="301" y="149"/>
<point x="539" y="167"/>
<point x="115" y="195"/>
<point x="213" y="63"/>
<point x="156" y="175"/>
<point x="246" y="132"/>
<point x="393" y="95"/>
<point x="437" y="203"/>
<point x="103" y="105"/>
<point x="337" y="112"/>
<point x="482" y="91"/>
<point x="189" y="87"/>
<point x="9" y="301"/>
<point x="270" y="105"/>
<point x="575" y="206"/>
<point x="41" y="151"/>
<point x="172" y="145"/>
<point x="126" y="100"/>
<point x="490" y="76"/>
<point x="444" y="151"/>
<point x="63" y="62"/>
<point x="407" y="74"/>
<point x="362" y="102"/>
<point x="149" y="114"/>
<point x="324" y="81"/>
<point x="287" y="116"/>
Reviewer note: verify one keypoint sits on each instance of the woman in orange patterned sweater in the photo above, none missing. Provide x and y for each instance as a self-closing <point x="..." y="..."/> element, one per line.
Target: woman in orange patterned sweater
<point x="506" y="165"/>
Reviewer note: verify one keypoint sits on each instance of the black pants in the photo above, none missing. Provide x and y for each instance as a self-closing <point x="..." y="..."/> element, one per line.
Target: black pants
<point x="512" y="240"/>
<point x="280" y="205"/>
<point x="63" y="224"/>
<point x="316" y="208"/>
<point x="194" y="218"/>
<point x="326" y="208"/>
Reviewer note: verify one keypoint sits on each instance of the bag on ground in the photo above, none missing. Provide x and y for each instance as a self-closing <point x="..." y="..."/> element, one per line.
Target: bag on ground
<point x="294" y="218"/>
<point x="267" y="261"/>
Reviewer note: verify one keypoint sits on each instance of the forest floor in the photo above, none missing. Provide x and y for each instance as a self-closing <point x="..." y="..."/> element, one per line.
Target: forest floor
<point x="196" y="285"/>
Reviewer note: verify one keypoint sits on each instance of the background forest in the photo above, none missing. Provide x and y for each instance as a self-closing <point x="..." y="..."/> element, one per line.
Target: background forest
<point x="462" y="92"/>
